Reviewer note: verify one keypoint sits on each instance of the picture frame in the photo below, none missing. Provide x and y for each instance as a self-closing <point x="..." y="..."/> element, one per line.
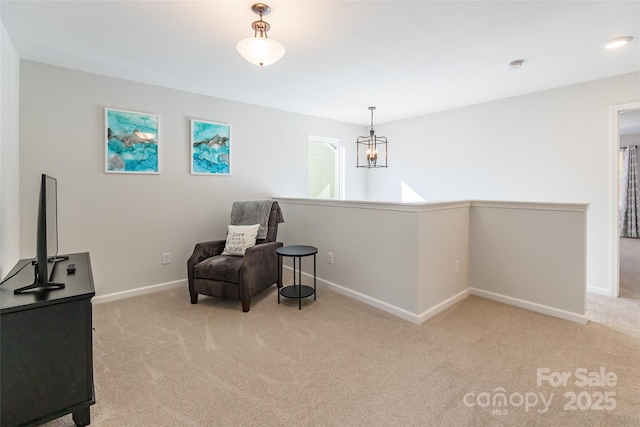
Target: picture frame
<point x="210" y="148"/>
<point x="131" y="142"/>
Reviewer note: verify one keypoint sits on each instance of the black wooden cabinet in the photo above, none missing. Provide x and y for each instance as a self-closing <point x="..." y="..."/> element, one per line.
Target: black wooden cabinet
<point x="46" y="357"/>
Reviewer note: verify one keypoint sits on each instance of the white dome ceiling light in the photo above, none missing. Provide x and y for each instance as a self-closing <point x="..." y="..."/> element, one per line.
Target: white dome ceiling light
<point x="259" y="49"/>
<point x="618" y="42"/>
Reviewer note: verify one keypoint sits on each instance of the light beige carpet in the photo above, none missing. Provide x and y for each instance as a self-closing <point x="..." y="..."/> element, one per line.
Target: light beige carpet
<point x="160" y="361"/>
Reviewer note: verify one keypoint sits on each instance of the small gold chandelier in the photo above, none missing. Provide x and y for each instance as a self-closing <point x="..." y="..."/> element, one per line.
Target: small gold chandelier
<point x="373" y="147"/>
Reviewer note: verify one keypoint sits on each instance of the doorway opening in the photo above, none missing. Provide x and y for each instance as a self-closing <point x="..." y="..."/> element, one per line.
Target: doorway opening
<point x="625" y="124"/>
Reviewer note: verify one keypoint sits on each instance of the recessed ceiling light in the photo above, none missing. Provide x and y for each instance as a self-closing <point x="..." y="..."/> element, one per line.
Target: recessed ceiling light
<point x="618" y="42"/>
<point x="514" y="65"/>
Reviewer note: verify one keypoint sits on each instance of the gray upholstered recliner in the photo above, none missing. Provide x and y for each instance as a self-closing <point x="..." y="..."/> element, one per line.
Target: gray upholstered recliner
<point x="237" y="277"/>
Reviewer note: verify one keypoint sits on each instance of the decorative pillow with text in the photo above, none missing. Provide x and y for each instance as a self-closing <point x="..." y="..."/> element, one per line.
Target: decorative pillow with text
<point x="239" y="238"/>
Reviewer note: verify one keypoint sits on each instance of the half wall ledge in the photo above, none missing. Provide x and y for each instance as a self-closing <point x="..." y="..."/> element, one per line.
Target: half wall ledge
<point x="414" y="260"/>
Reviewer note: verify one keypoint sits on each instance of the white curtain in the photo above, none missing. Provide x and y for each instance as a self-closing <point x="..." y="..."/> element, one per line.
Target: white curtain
<point x="629" y="194"/>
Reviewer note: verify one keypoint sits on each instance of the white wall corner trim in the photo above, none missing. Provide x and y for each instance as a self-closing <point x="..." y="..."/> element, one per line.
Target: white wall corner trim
<point x="182" y="283"/>
<point x="539" y="308"/>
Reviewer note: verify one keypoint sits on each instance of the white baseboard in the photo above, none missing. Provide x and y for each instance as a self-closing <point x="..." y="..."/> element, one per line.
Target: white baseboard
<point x="381" y="305"/>
<point x="389" y="308"/>
<point x="599" y="291"/>
<point x="428" y="314"/>
<point x="539" y="308"/>
<point x="139" y="291"/>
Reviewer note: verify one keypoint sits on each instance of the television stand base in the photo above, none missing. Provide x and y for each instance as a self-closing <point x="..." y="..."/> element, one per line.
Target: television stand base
<point x="35" y="285"/>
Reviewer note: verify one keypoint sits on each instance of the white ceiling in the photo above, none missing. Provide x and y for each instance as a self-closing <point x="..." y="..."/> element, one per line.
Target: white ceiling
<point x="405" y="58"/>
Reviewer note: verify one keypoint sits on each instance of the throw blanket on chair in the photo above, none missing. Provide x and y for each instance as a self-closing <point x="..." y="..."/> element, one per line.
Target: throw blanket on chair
<point x="249" y="212"/>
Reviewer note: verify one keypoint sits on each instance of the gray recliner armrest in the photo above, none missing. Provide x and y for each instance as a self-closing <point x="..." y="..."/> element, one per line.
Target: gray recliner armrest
<point x="260" y="265"/>
<point x="204" y="250"/>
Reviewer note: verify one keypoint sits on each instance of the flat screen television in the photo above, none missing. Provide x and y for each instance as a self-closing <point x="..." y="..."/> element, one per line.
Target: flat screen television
<point x="46" y="238"/>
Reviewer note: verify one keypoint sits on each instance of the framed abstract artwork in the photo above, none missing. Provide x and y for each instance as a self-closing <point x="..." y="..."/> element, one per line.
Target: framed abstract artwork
<point x="131" y="142"/>
<point x="210" y="148"/>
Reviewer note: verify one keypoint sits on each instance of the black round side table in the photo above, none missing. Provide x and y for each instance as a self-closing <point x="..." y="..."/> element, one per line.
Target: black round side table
<point x="297" y="290"/>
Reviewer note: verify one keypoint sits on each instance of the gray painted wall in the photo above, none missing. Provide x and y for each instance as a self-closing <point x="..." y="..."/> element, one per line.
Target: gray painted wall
<point x="375" y="250"/>
<point x="443" y="239"/>
<point x="128" y="221"/>
<point x="401" y="257"/>
<point x="531" y="254"/>
<point x="515" y="149"/>
<point x="550" y="146"/>
<point x="9" y="155"/>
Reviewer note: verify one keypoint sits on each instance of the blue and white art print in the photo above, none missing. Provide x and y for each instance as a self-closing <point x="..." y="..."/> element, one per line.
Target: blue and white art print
<point x="210" y="144"/>
<point x="131" y="142"/>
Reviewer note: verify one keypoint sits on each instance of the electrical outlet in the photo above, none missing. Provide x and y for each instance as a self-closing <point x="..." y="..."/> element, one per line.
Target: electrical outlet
<point x="166" y="258"/>
<point x="330" y="257"/>
<point x="456" y="266"/>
